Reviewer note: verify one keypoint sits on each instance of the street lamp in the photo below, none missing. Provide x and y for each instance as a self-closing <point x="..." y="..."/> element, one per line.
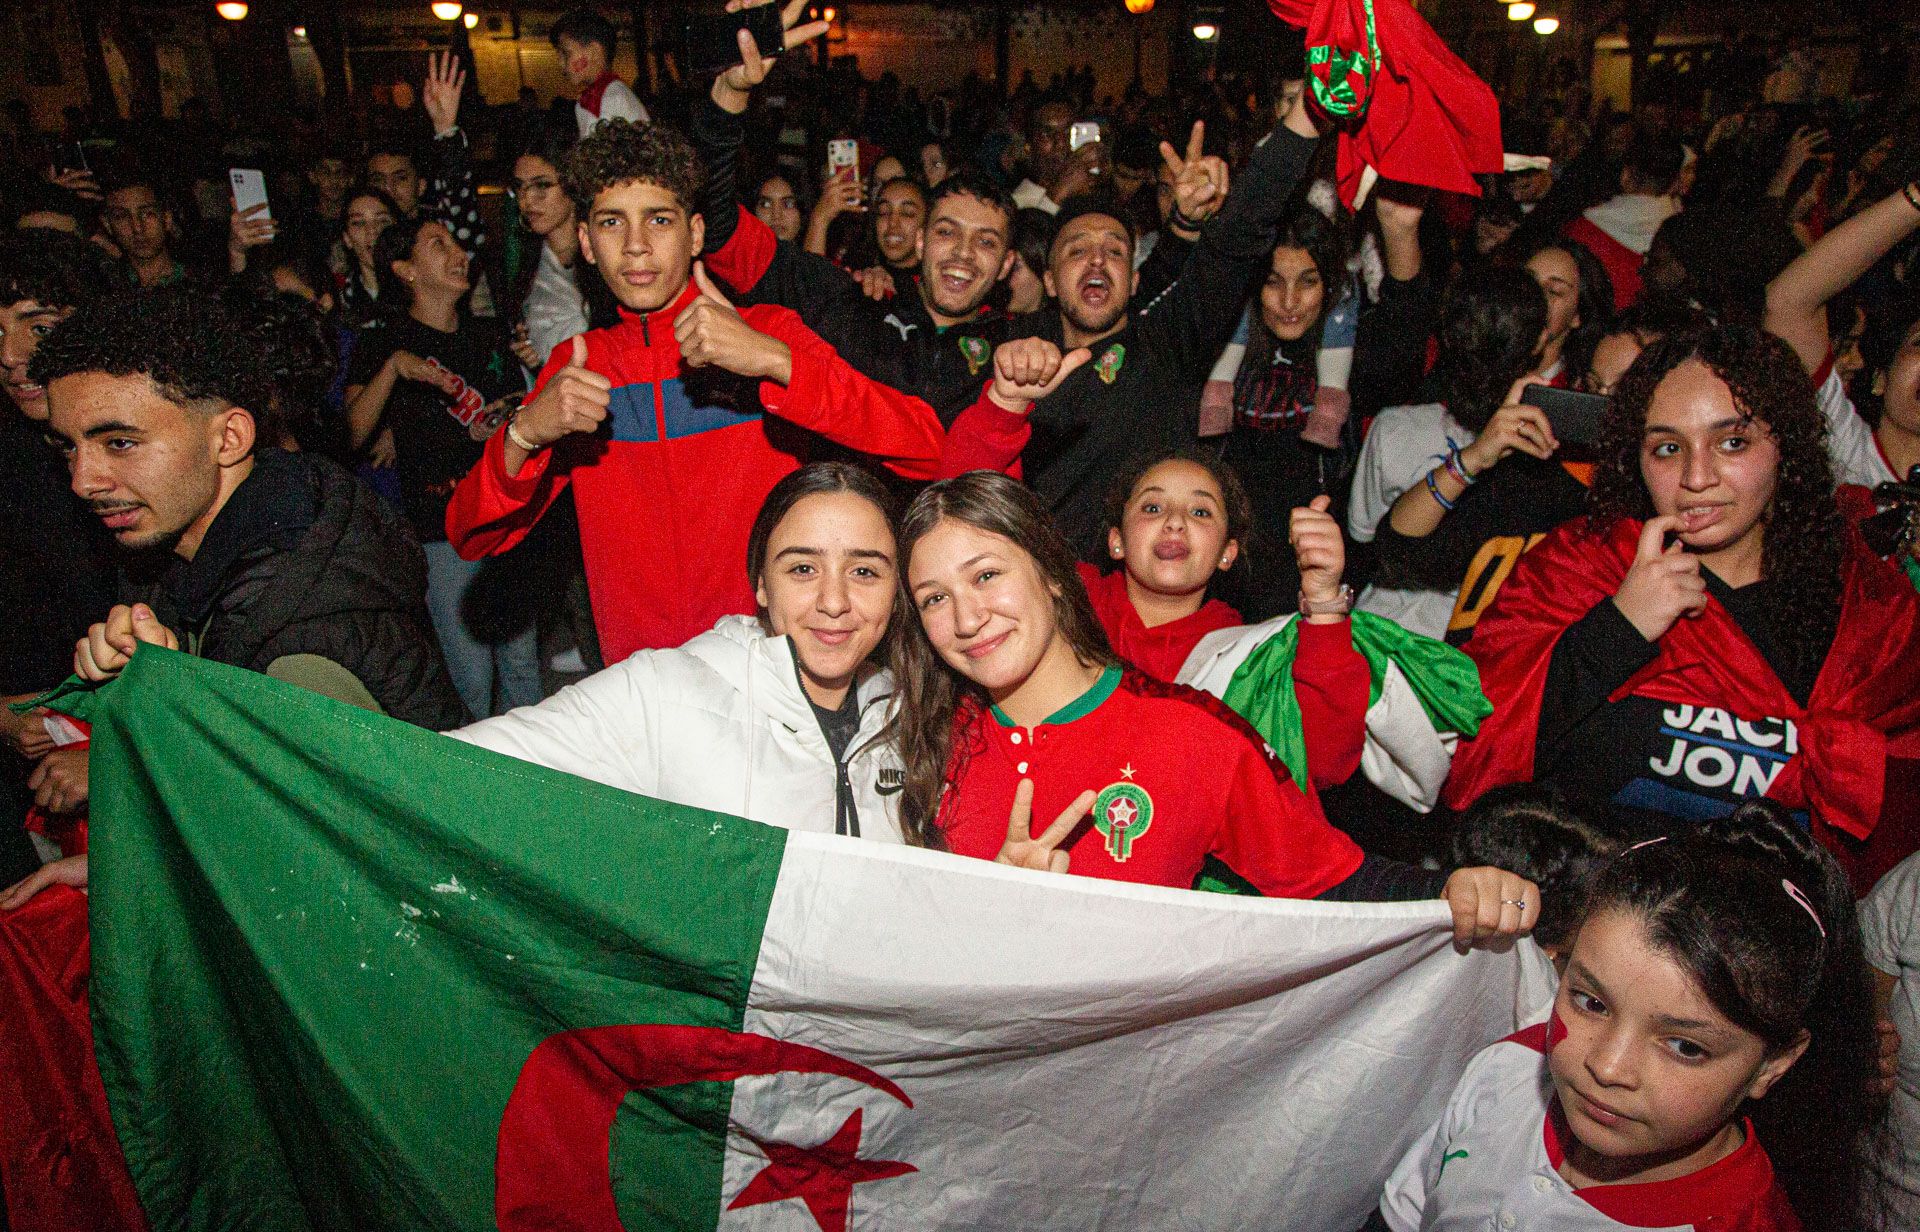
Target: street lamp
<point x="1546" y="25"/>
<point x="470" y="20"/>
<point x="447" y="10"/>
<point x="232" y="10"/>
<point x="1206" y="31"/>
<point x="1139" y="7"/>
<point x="1520" y="11"/>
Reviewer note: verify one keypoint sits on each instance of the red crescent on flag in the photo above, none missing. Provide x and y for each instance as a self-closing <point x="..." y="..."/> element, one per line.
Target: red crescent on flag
<point x="551" y="1166"/>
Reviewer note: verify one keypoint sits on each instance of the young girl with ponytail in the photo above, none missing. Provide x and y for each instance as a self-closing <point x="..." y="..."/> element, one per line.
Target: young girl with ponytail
<point x="1707" y="1063"/>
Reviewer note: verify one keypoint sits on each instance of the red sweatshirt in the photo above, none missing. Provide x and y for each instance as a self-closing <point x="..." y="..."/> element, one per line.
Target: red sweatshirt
<point x="667" y="492"/>
<point x="1330" y="679"/>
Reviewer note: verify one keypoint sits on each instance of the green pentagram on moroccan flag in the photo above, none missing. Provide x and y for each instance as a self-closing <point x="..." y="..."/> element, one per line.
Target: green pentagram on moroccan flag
<point x="1122" y="812"/>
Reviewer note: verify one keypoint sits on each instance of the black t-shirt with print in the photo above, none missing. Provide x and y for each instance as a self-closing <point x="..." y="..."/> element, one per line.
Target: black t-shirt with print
<point x="1475" y="546"/>
<point x="1661" y="765"/>
<point x="438" y="437"/>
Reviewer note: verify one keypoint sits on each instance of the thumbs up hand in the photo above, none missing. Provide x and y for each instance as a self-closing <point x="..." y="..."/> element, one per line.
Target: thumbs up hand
<point x="1026" y="370"/>
<point x="711" y="331"/>
<point x="1320" y="552"/>
<point x="574" y="400"/>
<point x="1661" y="586"/>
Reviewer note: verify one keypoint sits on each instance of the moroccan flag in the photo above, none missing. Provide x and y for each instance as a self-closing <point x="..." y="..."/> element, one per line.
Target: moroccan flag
<point x="352" y="974"/>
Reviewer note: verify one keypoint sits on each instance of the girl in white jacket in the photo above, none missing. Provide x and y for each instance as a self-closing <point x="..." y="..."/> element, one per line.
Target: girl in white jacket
<point x="773" y="717"/>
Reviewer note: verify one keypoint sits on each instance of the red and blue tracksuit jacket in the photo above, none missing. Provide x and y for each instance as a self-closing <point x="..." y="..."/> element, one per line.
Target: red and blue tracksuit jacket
<point x="668" y="488"/>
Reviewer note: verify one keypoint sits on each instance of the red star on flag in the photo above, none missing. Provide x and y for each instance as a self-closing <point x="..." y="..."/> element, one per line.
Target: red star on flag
<point x="821" y="1176"/>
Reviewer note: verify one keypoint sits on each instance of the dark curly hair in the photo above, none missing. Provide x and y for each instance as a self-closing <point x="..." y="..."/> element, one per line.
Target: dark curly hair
<point x="298" y="348"/>
<point x="622" y="152"/>
<point x="181" y="339"/>
<point x="1489" y="333"/>
<point x="1804" y="526"/>
<point x="51" y="268"/>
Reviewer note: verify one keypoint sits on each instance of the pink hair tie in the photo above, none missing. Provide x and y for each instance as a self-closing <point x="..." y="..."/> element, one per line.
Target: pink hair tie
<point x="1793" y="892"/>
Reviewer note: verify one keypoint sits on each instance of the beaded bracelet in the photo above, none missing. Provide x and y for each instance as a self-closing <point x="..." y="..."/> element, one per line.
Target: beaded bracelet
<point x="1433" y="489"/>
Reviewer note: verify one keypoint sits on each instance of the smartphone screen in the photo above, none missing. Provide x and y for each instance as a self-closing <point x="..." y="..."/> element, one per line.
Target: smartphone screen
<point x="1083" y="132"/>
<point x="710" y="41"/>
<point x="843" y="152"/>
<point x="249" y="189"/>
<point x="1575" y="416"/>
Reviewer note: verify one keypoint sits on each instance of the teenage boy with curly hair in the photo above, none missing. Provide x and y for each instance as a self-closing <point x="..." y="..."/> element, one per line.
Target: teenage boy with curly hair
<point x="673" y="425"/>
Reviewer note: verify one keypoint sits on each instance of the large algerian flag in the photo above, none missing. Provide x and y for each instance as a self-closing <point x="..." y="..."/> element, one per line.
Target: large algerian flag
<point x="351" y="974"/>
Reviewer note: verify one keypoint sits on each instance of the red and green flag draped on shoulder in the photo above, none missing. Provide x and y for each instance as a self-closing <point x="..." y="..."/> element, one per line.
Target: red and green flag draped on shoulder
<point x="352" y="974"/>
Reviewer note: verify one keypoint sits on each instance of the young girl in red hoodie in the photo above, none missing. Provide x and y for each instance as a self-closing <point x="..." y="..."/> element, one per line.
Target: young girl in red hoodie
<point x="1177" y="523"/>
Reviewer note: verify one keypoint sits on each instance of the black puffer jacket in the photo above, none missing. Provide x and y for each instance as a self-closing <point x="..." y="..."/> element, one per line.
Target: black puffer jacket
<point x="305" y="560"/>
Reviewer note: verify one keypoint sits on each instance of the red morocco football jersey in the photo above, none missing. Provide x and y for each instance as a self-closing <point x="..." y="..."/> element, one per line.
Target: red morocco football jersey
<point x="1179" y="776"/>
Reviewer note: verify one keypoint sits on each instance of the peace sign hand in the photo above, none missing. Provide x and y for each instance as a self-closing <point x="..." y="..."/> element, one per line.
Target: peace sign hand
<point x="1199" y="181"/>
<point x="1023" y="849"/>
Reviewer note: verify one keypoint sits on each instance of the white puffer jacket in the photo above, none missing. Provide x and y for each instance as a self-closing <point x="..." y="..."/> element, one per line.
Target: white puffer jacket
<point x="720" y="723"/>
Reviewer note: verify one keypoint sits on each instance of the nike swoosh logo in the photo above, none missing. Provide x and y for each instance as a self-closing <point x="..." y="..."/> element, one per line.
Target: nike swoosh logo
<point x="889" y="789"/>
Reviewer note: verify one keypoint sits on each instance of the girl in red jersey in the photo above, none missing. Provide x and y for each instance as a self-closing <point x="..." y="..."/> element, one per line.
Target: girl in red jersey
<point x="1707" y="1064"/>
<point x="1019" y="700"/>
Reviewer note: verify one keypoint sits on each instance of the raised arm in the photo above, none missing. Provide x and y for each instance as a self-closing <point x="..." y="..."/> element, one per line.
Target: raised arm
<point x="1196" y="317"/>
<point x="718" y="133"/>
<point x="1797" y="297"/>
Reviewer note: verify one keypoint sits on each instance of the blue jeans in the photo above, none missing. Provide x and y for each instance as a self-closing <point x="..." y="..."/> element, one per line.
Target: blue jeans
<point x="480" y="669"/>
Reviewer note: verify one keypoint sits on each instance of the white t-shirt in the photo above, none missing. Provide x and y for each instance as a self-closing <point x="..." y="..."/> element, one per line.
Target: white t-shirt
<point x="1492" y="1162"/>
<point x="555" y="310"/>
<point x="616" y="101"/>
<point x="1404" y="443"/>
<point x="1850" y="442"/>
<point x="1890" y="926"/>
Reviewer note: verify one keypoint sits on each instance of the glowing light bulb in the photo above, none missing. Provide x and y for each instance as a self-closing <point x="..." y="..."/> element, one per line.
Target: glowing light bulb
<point x="299" y="32"/>
<point x="1206" y="31"/>
<point x="232" y="10"/>
<point x="1520" y="11"/>
<point x="1546" y="25"/>
<point x="827" y="15"/>
<point x="447" y="10"/>
<point x="470" y="20"/>
<point x="1138" y="7"/>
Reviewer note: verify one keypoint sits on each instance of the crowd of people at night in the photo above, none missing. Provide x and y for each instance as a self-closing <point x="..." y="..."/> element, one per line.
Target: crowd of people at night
<point x="857" y="457"/>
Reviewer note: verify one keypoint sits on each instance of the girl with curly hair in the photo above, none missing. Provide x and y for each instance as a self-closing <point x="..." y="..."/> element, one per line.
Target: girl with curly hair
<point x="1714" y="629"/>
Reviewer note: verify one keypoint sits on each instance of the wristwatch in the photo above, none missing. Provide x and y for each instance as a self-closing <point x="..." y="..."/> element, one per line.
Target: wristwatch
<point x="1340" y="605"/>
